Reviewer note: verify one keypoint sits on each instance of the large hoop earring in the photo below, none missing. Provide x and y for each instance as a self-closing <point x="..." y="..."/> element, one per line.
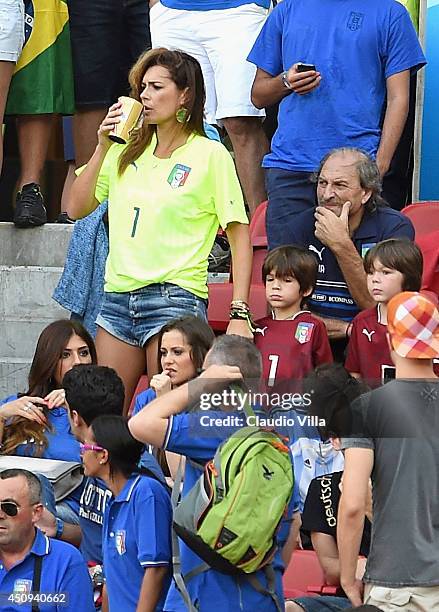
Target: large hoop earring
<point x="182" y="115"/>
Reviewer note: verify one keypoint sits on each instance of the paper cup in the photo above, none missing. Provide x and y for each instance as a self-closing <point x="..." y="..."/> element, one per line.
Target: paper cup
<point x="131" y="111"/>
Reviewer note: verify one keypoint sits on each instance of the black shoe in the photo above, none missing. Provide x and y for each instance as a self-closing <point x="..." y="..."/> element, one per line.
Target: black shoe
<point x="64" y="218"/>
<point x="29" y="207"/>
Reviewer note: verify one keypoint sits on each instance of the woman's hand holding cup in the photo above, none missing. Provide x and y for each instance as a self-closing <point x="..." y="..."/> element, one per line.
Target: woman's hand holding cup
<point x="112" y="118"/>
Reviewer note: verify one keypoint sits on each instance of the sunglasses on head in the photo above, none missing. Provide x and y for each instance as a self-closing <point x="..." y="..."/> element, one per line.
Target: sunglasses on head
<point x="10" y="508"/>
<point x="89" y="447"/>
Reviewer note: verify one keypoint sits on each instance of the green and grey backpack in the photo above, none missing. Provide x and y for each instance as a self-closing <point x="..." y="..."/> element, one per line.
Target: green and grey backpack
<point x="231" y="515"/>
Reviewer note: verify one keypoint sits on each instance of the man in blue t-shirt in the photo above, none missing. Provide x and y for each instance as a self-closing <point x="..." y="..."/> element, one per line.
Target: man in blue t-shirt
<point x="335" y="67"/>
<point x="34" y="569"/>
<point x="350" y="218"/>
<point x="164" y="423"/>
<point x="220" y="34"/>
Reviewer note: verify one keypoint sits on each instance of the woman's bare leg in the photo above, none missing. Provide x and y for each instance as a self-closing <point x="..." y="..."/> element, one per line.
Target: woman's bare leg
<point x="152" y="365"/>
<point x="128" y="361"/>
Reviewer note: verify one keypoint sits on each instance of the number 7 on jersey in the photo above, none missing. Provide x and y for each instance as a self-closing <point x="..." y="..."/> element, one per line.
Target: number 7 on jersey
<point x="136" y="218"/>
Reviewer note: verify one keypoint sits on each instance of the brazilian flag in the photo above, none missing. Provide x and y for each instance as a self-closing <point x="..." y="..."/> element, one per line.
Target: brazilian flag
<point x="43" y="77"/>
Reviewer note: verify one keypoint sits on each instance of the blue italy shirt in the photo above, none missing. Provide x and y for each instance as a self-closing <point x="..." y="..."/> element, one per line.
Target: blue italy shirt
<point x="136" y="535"/>
<point x="63" y="571"/>
<point x="356" y="46"/>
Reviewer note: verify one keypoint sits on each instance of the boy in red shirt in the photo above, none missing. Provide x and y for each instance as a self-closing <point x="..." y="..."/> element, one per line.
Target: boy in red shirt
<point x="392" y="266"/>
<point x="292" y="341"/>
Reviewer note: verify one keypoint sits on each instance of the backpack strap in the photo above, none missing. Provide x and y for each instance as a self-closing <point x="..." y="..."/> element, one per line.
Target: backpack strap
<point x="36" y="581"/>
<point x="176" y="560"/>
<point x="271" y="583"/>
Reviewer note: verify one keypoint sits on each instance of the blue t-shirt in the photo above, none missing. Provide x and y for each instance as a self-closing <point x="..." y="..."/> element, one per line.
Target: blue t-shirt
<point x="187" y="436"/>
<point x="356" y="46"/>
<point x="211" y="5"/>
<point x="136" y="535"/>
<point x="63" y="571"/>
<point x="331" y="297"/>
<point x="94" y="499"/>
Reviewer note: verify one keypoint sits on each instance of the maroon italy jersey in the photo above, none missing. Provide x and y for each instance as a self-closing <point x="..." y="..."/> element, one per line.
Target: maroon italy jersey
<point x="368" y="351"/>
<point x="291" y="348"/>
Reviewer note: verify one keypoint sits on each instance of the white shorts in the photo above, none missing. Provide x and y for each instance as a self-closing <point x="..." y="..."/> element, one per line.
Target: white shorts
<point x="228" y="76"/>
<point x="11" y="29"/>
<point x="406" y="599"/>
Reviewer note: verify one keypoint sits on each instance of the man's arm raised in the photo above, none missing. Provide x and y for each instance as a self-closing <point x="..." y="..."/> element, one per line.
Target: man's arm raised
<point x="151" y="424"/>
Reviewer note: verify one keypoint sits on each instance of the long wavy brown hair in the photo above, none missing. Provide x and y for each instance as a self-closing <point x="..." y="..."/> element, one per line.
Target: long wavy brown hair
<point x="41" y="381"/>
<point x="186" y="73"/>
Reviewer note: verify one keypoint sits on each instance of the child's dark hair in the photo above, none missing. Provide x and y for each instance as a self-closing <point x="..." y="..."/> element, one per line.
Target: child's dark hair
<point x="399" y="254"/>
<point x="333" y="389"/>
<point x="291" y="260"/>
<point x="93" y="390"/>
<point x="112" y="433"/>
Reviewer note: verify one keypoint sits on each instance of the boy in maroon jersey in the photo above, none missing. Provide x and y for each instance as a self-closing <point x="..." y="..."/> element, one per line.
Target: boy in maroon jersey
<point x="392" y="266"/>
<point x="292" y="341"/>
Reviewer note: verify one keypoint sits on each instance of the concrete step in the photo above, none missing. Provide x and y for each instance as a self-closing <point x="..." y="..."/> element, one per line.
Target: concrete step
<point x="31" y="263"/>
<point x="39" y="246"/>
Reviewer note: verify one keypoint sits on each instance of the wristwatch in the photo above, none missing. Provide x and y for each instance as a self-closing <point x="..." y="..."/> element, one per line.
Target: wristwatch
<point x="285" y="81"/>
<point x="59" y="528"/>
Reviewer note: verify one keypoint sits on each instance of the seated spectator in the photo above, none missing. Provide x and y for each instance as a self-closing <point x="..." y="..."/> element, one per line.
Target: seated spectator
<point x="32" y="563"/>
<point x="11" y="43"/>
<point x="36" y="423"/>
<point x="183" y="345"/>
<point x="166" y="423"/>
<point x="292" y="341"/>
<point x="391" y="266"/>
<point x="92" y="391"/>
<point x="183" y="186"/>
<point x="332" y="391"/>
<point x="350" y="218"/>
<point x="136" y="538"/>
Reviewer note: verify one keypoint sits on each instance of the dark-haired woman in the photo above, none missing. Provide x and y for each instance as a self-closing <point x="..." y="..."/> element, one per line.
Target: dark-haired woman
<point x="182" y="346"/>
<point x="36" y="423"/>
<point x="168" y="189"/>
<point x="136" y="540"/>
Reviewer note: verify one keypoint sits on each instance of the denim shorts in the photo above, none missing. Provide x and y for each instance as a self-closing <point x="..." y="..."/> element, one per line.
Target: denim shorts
<point x="11" y="29"/>
<point x="325" y="603"/>
<point x="136" y="316"/>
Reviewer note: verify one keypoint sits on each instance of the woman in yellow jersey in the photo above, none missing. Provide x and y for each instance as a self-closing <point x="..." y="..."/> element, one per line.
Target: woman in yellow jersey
<point x="168" y="191"/>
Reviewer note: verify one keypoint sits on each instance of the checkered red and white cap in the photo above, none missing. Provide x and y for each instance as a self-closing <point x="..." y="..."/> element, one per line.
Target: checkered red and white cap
<point x="413" y="324"/>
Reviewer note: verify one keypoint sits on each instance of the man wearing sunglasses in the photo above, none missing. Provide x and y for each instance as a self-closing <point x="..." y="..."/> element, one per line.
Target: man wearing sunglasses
<point x="35" y="569"/>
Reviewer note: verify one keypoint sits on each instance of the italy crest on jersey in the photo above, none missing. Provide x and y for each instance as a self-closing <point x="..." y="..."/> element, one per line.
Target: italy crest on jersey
<point x="304" y="332"/>
<point x="178" y="175"/>
<point x="22" y="586"/>
<point x="120" y="541"/>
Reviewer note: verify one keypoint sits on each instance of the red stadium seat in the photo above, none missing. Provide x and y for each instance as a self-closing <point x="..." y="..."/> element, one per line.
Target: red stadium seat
<point x="141" y="386"/>
<point x="304" y="573"/>
<point x="424" y="216"/>
<point x="429" y="245"/>
<point x="258" y="234"/>
<point x="220" y="294"/>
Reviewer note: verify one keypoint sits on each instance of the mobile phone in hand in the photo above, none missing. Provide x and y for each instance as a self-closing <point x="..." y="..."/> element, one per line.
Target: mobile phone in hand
<point x="301" y="67"/>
